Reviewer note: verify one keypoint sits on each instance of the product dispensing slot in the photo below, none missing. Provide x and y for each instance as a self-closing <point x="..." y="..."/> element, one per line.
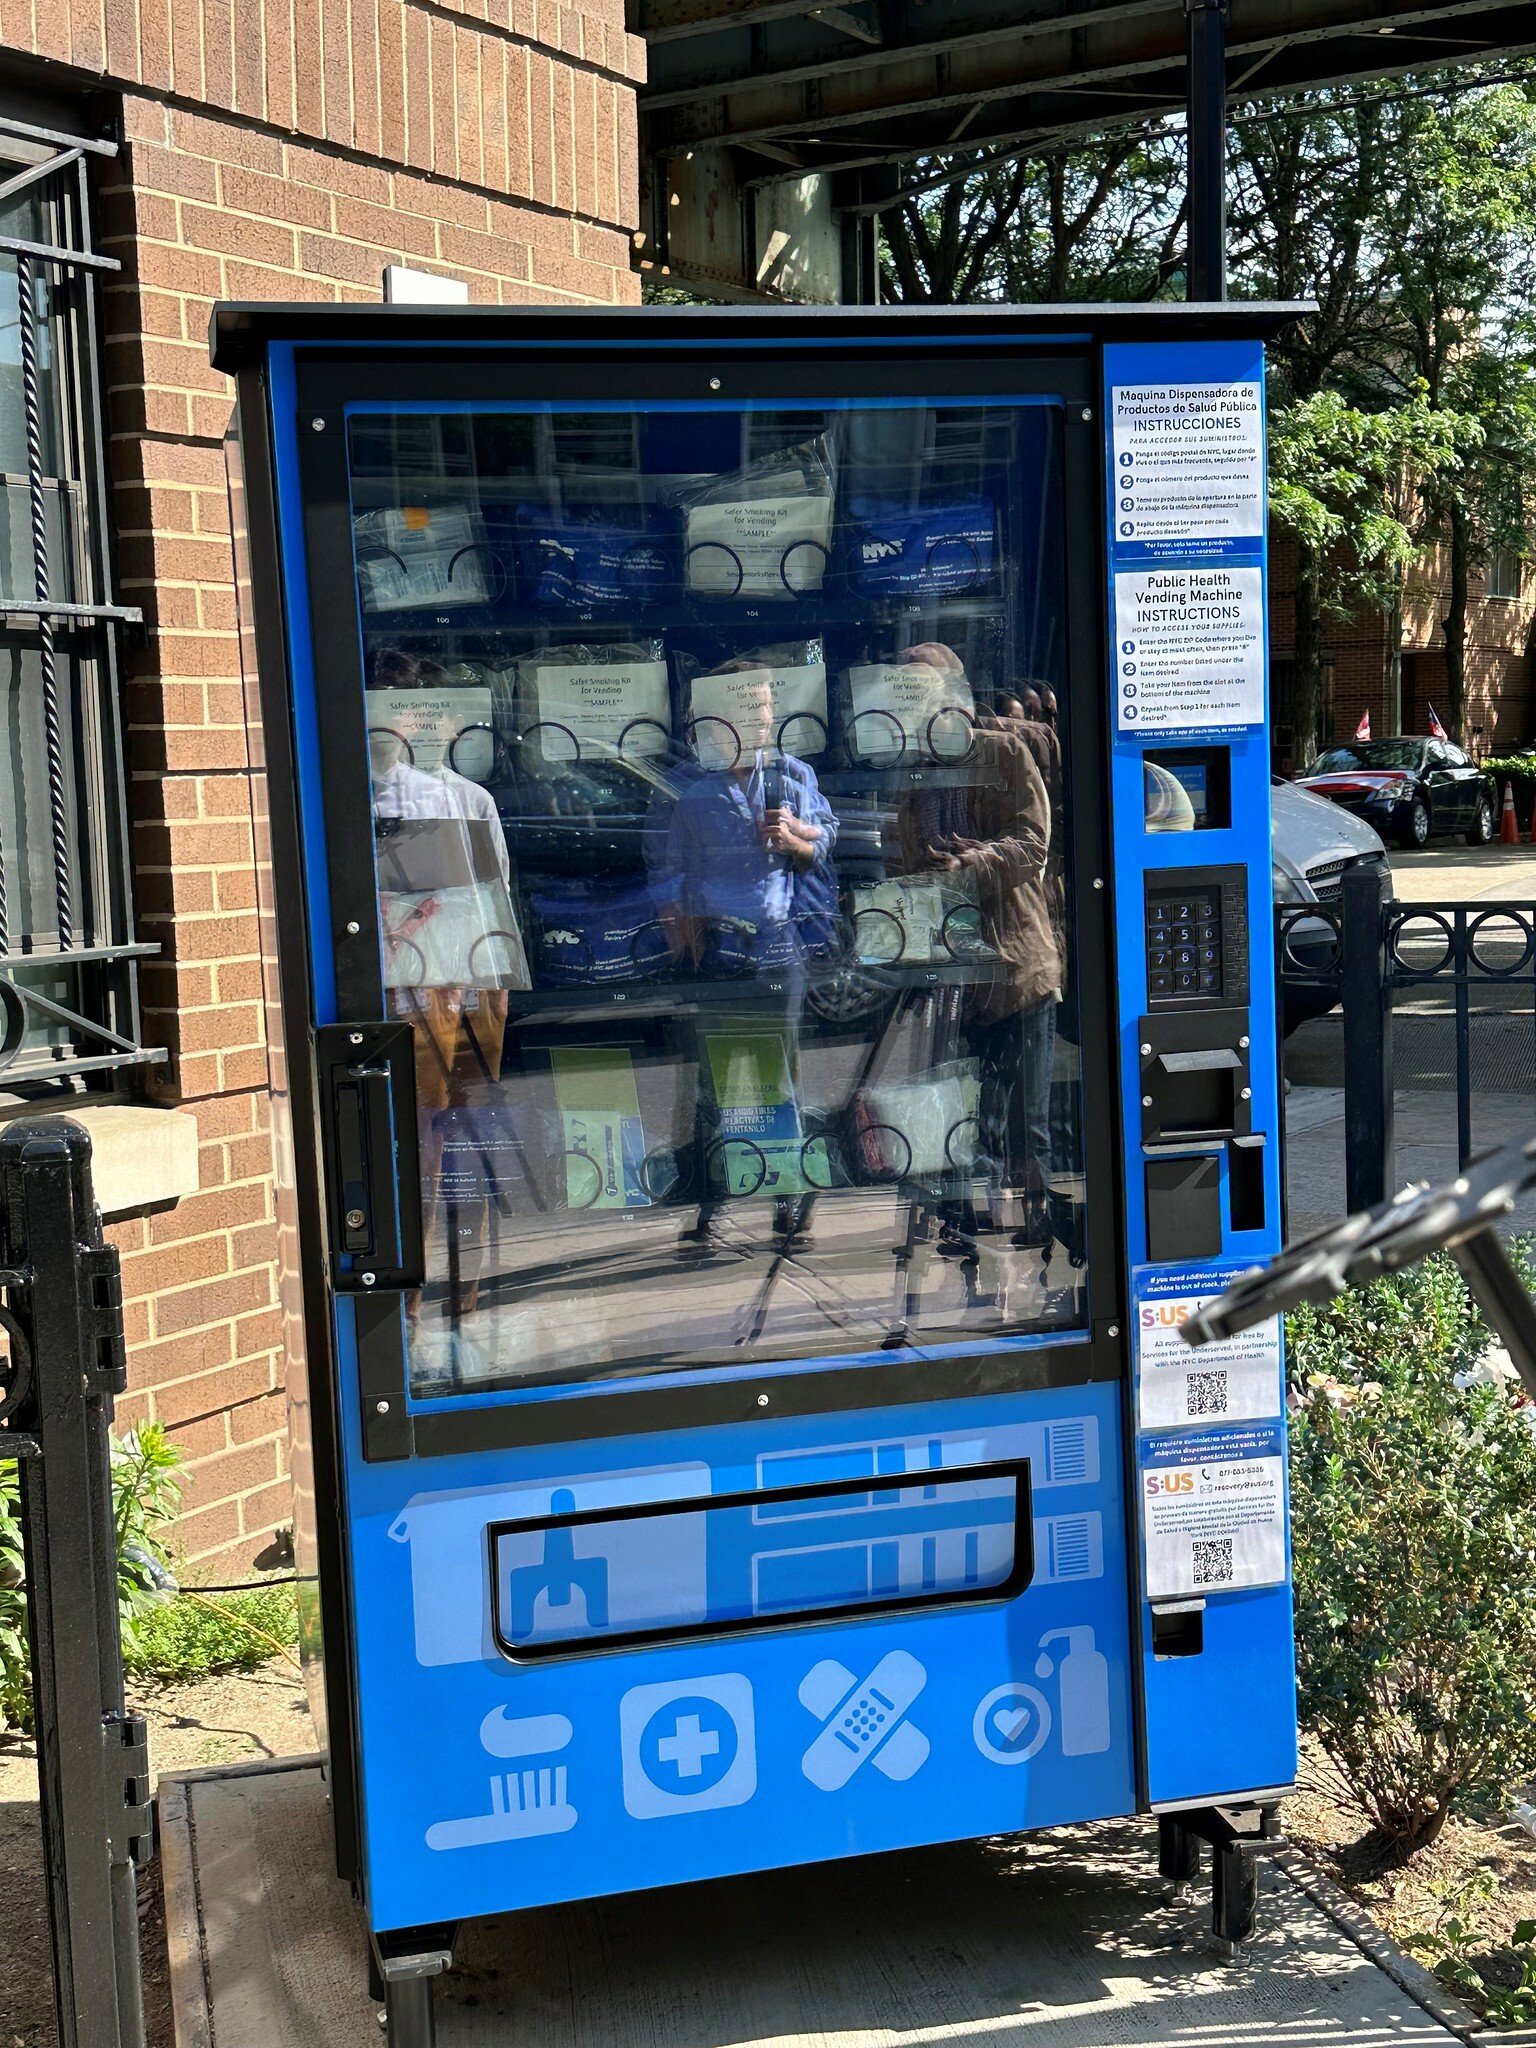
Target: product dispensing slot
<point x="1195" y="1085"/>
<point x="1183" y="1206"/>
<point x="1178" y="1628"/>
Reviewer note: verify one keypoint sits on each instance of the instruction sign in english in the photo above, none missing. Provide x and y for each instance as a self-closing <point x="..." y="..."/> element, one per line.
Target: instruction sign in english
<point x="1189" y="649"/>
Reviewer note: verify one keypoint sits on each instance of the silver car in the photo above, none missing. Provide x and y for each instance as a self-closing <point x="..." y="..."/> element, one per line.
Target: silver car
<point x="1314" y="842"/>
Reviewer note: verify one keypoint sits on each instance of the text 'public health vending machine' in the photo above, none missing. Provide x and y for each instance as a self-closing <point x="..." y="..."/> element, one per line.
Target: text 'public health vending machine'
<point x="765" y="845"/>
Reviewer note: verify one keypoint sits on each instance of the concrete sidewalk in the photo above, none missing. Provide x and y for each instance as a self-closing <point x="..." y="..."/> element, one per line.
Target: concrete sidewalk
<point x="1061" y="1940"/>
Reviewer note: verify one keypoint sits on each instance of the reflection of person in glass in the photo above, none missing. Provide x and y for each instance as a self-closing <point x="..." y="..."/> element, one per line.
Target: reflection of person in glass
<point x="450" y="936"/>
<point x="997" y="831"/>
<point x="749" y="843"/>
<point x="743" y="874"/>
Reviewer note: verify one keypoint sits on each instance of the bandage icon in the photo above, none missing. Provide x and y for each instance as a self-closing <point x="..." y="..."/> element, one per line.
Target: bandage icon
<point x="867" y="1720"/>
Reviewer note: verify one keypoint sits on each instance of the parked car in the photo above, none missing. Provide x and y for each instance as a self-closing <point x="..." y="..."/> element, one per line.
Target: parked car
<point x="1315" y="842"/>
<point x="1409" y="789"/>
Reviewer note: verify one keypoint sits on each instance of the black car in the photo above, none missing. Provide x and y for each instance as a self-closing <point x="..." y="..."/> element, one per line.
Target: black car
<point x="1410" y="789"/>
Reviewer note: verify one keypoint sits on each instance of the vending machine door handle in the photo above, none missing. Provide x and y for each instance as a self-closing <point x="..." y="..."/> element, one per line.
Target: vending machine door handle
<point x="373" y="1163"/>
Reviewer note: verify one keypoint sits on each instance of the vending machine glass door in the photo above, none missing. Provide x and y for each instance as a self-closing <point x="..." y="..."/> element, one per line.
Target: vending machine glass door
<point x="719" y="785"/>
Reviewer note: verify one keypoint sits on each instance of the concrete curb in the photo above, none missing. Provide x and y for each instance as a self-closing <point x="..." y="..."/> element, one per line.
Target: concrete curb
<point x="1421" y="1985"/>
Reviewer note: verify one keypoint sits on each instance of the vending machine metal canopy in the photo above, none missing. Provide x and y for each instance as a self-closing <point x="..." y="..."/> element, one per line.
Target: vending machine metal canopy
<point x="764" y="846"/>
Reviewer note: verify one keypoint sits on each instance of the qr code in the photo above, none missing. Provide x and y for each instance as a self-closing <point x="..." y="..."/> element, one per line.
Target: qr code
<point x="1207" y="1393"/>
<point x="1213" y="1561"/>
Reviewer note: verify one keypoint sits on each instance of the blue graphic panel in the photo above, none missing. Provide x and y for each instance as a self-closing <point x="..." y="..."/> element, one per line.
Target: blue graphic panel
<point x="491" y="1784"/>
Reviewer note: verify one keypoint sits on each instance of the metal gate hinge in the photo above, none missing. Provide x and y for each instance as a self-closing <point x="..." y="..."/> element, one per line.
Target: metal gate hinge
<point x="103" y="1277"/>
<point x="130" y="1820"/>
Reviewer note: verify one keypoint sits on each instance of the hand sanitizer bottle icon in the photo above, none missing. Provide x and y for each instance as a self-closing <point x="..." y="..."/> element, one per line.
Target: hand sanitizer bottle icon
<point x="1084" y="1681"/>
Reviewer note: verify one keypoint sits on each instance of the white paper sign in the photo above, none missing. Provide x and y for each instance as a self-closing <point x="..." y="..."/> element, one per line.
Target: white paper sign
<point x="1236" y="1380"/>
<point x="726" y="714"/>
<point x="1189" y="649"/>
<point x="1189" y="463"/>
<point x="1213" y="1511"/>
<point x="759" y="547"/>
<point x="599" y="704"/>
<point x="433" y="729"/>
<point x="910" y="707"/>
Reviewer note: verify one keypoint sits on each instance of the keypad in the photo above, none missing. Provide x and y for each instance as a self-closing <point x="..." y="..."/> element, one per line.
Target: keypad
<point x="1185" y="953"/>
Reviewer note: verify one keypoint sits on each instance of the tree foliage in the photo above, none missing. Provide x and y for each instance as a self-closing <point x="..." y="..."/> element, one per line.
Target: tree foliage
<point x="1403" y="408"/>
<point x="1413" y="1468"/>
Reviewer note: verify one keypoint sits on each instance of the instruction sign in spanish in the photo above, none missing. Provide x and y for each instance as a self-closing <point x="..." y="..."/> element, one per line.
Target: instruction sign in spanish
<point x="1188" y="466"/>
<point x="1177" y="1387"/>
<point x="1213" y="1510"/>
<point x="1189" y="649"/>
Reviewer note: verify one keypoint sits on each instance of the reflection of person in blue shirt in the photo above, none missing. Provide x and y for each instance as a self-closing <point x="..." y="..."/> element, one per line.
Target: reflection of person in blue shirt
<point x="747" y="853"/>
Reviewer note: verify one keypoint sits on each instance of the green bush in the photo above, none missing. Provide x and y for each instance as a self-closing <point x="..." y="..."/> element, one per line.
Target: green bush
<point x="1414" y="1503"/>
<point x="145" y="1496"/>
<point x="201" y="1633"/>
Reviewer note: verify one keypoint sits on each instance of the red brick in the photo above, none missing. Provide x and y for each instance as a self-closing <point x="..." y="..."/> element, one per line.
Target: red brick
<point x="253" y="1420"/>
<point x="199" y="1440"/>
<point x="335" y="62"/>
<point x="445" y="125"/>
<point x="247" y="1069"/>
<point x="365" y="75"/>
<point x="222" y="1472"/>
<point x="391" y="34"/>
<point x="196" y="1215"/>
<point x="204" y="1352"/>
<point x="270" y="1507"/>
<point x="253" y="241"/>
<point x="209" y="1527"/>
<point x="259" y="1336"/>
<point x="280" y="52"/>
<point x="217" y="1301"/>
<point x="308" y="59"/>
<point x="418" y="89"/>
<point x="219" y="52"/>
<point x="271" y="199"/>
<point x="250" y="62"/>
<point x="226" y="142"/>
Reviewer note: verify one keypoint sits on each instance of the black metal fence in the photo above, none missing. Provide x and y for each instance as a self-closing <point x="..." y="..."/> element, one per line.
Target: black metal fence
<point x="61" y="1325"/>
<point x="1433" y="999"/>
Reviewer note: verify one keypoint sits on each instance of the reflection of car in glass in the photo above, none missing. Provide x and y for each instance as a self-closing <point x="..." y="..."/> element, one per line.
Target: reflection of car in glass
<point x="1409" y="789"/>
<point x="582" y="817"/>
<point x="1314" y="843"/>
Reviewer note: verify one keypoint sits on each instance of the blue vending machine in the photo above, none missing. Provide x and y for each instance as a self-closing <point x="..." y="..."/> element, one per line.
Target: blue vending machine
<point x="764" y="827"/>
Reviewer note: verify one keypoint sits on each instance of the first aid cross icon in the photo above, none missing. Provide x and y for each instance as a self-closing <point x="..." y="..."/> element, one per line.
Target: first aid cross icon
<point x="688" y="1745"/>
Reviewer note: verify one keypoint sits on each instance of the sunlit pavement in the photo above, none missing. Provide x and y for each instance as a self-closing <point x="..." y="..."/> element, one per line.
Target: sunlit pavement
<point x="1452" y="873"/>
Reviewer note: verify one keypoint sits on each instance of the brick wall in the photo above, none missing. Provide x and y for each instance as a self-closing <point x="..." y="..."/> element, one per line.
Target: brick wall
<point x="279" y="149"/>
<point x="1500" y="661"/>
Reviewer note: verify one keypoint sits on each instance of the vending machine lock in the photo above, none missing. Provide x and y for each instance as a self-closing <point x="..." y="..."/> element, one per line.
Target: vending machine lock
<point x="368" y="1091"/>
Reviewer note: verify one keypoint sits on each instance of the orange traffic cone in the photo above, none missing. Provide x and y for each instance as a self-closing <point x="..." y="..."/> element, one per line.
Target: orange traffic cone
<point x="1509" y="830"/>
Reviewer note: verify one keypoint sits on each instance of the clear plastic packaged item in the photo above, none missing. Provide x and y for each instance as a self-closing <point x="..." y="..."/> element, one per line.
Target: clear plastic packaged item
<point x="759" y="1134"/>
<point x="588" y="932"/>
<point x="919" y="707"/>
<point x="431" y="727"/>
<point x="916" y="920"/>
<point x="580" y="702"/>
<point x="726" y="714"/>
<point x="764" y="531"/>
<point x="921" y="1130"/>
<point x="582" y="561"/>
<point x="410" y="557"/>
<point x="942" y="551"/>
